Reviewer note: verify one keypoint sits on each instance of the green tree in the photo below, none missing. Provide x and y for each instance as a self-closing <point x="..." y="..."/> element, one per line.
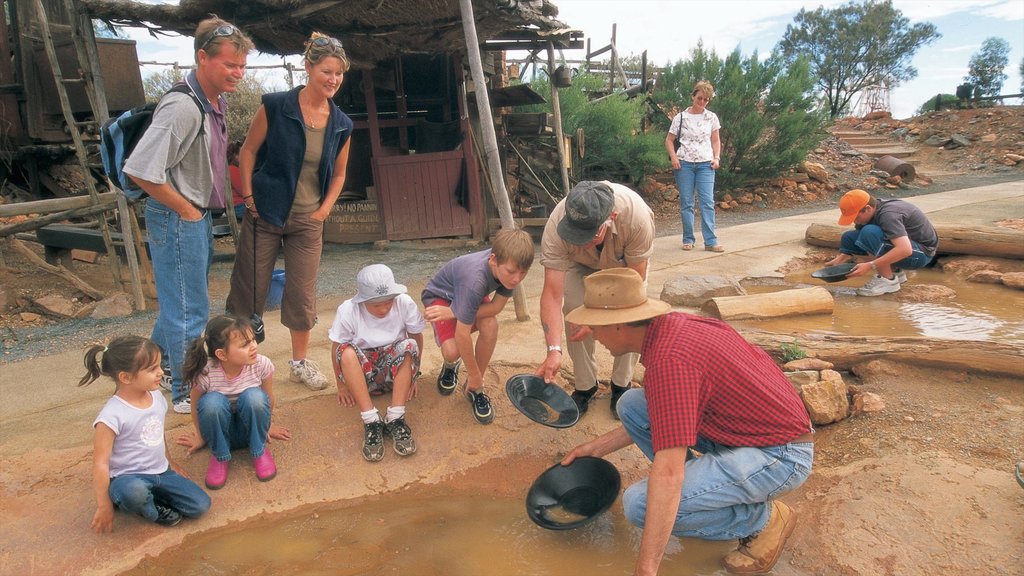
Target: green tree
<point x="944" y="101"/>
<point x="855" y="46"/>
<point x="986" y="67"/>
<point x="768" y="116"/>
<point x="616" y="149"/>
<point x="1021" y="71"/>
<point x="242" y="103"/>
<point x="156" y="84"/>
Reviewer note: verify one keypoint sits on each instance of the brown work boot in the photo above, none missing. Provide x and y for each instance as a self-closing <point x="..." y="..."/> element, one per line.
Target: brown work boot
<point x="758" y="554"/>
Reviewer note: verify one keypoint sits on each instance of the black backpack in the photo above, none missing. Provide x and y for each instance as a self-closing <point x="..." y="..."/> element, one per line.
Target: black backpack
<point x="120" y="135"/>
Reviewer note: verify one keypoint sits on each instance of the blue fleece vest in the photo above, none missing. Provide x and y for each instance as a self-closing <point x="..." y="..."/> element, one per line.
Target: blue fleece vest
<point x="279" y="159"/>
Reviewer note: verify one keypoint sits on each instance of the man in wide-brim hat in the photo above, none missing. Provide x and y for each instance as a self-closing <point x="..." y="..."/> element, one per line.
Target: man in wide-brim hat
<point x="725" y="430"/>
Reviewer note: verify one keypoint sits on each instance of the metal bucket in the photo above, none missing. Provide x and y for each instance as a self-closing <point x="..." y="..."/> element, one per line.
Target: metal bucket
<point x="562" y="78"/>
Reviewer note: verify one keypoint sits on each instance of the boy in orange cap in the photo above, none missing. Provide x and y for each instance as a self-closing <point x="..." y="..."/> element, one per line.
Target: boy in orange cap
<point x="890" y="236"/>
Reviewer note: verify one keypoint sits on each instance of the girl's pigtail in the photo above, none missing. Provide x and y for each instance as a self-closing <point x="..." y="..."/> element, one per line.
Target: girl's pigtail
<point x="195" y="361"/>
<point x="92" y="364"/>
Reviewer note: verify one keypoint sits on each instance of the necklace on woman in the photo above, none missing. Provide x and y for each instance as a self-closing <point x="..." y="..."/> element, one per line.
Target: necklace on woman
<point x="309" y="117"/>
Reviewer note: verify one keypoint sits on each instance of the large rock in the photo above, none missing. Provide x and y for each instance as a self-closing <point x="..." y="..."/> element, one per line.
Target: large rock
<point x="1014" y="280"/>
<point x="694" y="291"/>
<point x="986" y="277"/>
<point x="807" y="364"/>
<point x="826" y="400"/>
<point x="57" y="305"/>
<point x="114" y="306"/>
<point x="925" y="293"/>
<point x="801" y="377"/>
<point x="815" y="171"/>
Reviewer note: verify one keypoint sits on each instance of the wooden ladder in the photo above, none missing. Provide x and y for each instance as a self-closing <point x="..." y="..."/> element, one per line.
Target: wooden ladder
<point x="92" y="80"/>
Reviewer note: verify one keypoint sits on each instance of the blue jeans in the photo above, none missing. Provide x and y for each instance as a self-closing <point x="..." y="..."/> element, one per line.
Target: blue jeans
<point x="699" y="178"/>
<point x="140" y="493"/>
<point x="181" y="253"/>
<point x="727" y="491"/>
<point x="870" y="240"/>
<point x="226" y="427"/>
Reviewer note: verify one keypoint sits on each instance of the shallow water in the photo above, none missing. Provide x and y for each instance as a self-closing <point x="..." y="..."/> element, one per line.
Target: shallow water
<point x="426" y="535"/>
<point x="980" y="312"/>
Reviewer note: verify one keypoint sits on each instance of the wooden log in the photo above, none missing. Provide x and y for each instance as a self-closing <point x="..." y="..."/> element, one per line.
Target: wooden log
<point x="795" y="302"/>
<point x="60" y="271"/>
<point x="55" y="217"/>
<point x="51" y="205"/>
<point x="846" y="352"/>
<point x="975" y="240"/>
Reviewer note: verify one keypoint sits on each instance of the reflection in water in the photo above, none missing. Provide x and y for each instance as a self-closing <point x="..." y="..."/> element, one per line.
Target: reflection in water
<point x="950" y="323"/>
<point x="426" y="536"/>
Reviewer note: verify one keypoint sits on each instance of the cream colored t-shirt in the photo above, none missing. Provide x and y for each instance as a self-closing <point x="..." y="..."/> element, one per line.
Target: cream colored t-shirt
<point x="307" y="189"/>
<point x="630" y="238"/>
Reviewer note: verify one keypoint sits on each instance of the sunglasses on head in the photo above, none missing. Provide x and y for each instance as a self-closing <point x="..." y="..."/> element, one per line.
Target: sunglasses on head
<point x="222" y="31"/>
<point x="324" y="41"/>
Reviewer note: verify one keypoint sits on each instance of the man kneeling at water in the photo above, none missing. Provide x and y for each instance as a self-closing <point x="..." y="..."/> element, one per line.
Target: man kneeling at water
<point x="724" y="428"/>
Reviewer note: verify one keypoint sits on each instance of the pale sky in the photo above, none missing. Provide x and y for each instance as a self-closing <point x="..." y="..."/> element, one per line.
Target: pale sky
<point x="669" y="29"/>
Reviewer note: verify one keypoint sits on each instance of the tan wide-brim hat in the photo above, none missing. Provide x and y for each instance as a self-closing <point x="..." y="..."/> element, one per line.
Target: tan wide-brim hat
<point x="615" y="296"/>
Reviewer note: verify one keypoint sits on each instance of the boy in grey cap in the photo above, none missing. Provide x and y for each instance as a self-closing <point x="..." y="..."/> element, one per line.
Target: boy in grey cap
<point x="599" y="225"/>
<point x="377" y="336"/>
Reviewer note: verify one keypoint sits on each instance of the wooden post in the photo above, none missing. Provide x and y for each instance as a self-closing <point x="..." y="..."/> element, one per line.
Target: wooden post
<point x="975" y="240"/>
<point x="556" y="108"/>
<point x="489" y="141"/>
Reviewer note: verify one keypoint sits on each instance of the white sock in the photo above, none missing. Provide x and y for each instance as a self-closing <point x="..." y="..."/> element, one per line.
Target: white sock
<point x="394" y="413"/>
<point x="370" y="416"/>
<point x="296" y="363"/>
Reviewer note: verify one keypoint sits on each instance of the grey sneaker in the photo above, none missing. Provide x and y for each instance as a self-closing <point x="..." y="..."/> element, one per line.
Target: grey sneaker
<point x="373" y="441"/>
<point x="183" y="406"/>
<point x="900" y="275"/>
<point x="878" y="286"/>
<point x="448" y="379"/>
<point x="167" y="516"/>
<point x="481" y="406"/>
<point x="401" y="435"/>
<point x="309" y="374"/>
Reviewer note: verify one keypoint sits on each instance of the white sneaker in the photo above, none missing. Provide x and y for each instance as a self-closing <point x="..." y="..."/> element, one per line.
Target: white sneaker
<point x="878" y="286"/>
<point x="307" y="372"/>
<point x="183" y="406"/>
<point x="901" y="276"/>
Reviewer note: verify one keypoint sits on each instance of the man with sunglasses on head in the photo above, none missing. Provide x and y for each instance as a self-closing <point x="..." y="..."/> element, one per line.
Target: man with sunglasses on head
<point x="890" y="236"/>
<point x="181" y="164"/>
<point x="599" y="225"/>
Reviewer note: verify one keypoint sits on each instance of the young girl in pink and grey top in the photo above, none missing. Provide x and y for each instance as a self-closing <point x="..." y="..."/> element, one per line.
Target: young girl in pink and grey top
<point x="232" y="398"/>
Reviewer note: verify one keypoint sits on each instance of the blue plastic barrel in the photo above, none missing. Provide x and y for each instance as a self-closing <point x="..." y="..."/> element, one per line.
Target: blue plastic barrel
<point x="276" y="290"/>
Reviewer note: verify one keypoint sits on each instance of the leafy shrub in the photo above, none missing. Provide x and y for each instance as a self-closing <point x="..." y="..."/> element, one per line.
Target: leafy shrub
<point x="792" y="351"/>
<point x="945" y="101"/>
<point x="616" y="149"/>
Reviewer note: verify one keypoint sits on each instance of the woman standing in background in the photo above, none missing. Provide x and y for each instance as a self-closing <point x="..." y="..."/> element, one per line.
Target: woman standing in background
<point x="694" y="148"/>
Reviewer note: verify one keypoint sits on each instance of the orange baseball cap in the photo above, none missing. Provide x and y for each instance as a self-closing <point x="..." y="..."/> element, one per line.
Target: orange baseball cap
<point x="851" y="204"/>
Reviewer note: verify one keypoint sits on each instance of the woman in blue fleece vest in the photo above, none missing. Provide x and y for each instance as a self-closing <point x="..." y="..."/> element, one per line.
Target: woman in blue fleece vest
<point x="293" y="165"/>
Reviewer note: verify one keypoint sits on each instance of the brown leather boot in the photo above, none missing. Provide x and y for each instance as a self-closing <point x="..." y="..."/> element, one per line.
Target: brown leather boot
<point x="758" y="554"/>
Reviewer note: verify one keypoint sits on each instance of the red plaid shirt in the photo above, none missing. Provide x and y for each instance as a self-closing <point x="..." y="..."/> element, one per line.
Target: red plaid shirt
<point x="703" y="378"/>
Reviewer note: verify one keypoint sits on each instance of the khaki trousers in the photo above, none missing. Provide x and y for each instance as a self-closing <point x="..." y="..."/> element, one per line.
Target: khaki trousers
<point x="584" y="364"/>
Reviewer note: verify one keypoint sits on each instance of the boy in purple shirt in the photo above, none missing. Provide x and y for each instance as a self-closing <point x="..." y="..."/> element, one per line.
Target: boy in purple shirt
<point x="457" y="302"/>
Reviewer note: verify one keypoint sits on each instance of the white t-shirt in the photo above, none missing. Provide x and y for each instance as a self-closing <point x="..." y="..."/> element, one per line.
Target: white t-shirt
<point x="353" y="324"/>
<point x="693" y="141"/>
<point x="251" y="376"/>
<point x="138" y="436"/>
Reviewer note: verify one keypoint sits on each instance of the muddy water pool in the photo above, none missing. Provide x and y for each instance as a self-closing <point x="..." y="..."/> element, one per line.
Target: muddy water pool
<point x="425" y="533"/>
<point x="980" y="312"/>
